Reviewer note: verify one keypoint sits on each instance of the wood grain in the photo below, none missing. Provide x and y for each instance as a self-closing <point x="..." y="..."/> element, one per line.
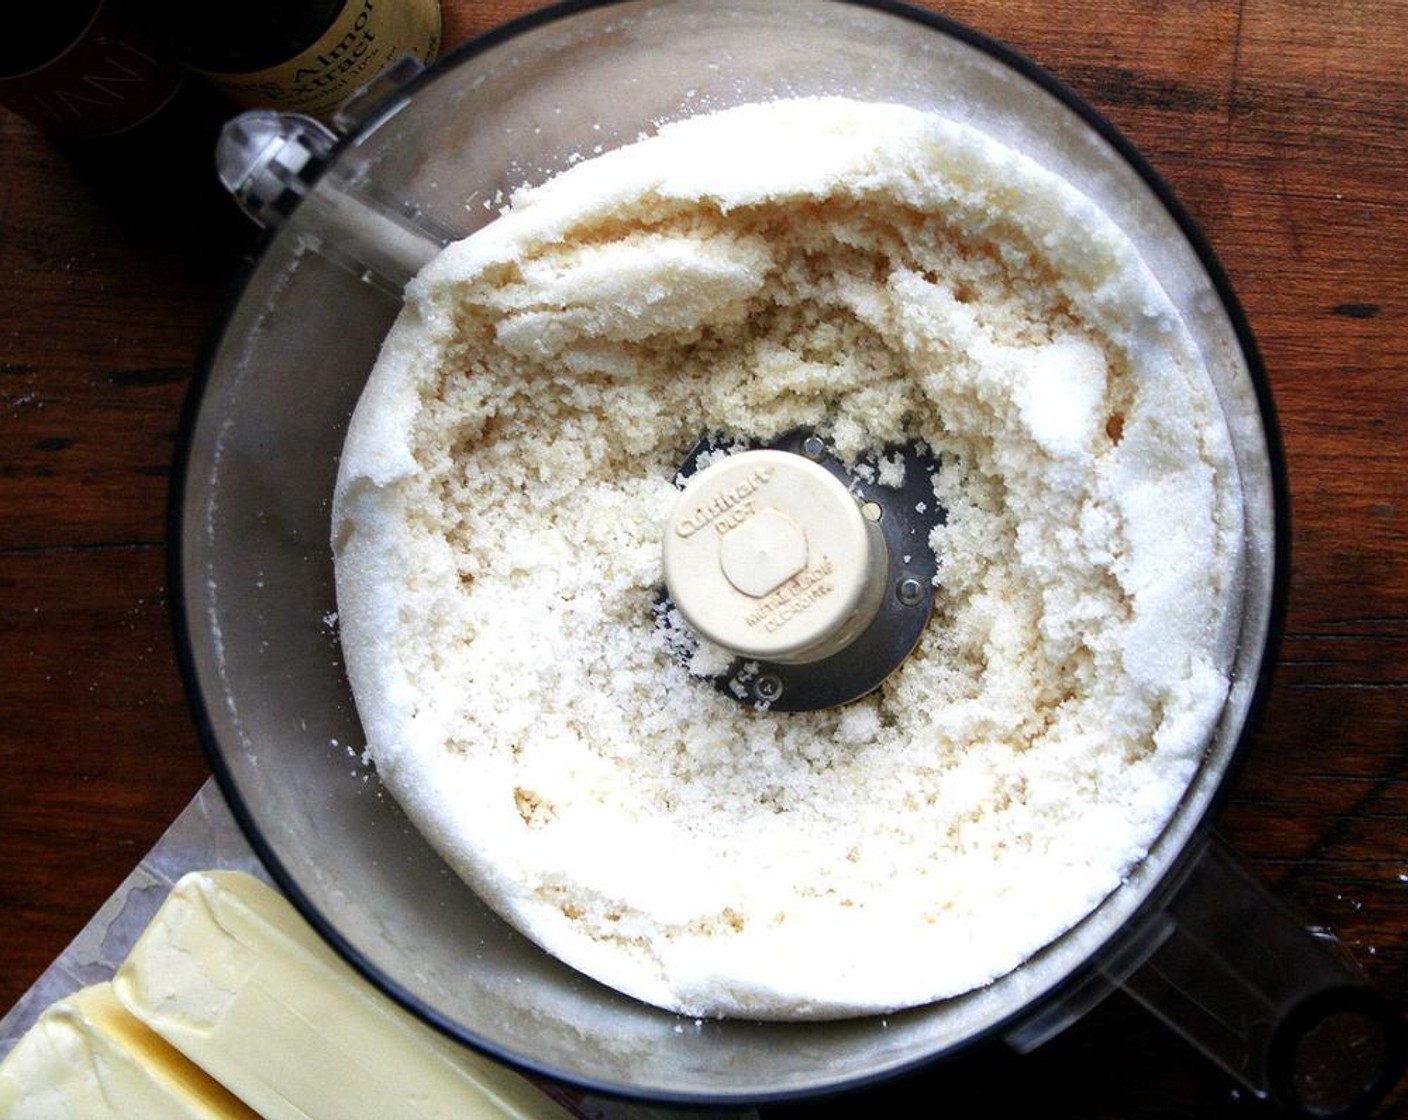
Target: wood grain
<point x="1280" y="125"/>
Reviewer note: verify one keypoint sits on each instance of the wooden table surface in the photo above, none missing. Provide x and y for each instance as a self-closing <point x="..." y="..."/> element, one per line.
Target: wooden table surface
<point x="1282" y="125"/>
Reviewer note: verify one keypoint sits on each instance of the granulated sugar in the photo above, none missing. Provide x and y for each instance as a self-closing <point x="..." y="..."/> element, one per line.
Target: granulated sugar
<point x="881" y="276"/>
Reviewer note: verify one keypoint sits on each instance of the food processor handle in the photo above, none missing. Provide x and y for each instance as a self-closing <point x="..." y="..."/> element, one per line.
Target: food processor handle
<point x="1276" y="1003"/>
<point x="276" y="163"/>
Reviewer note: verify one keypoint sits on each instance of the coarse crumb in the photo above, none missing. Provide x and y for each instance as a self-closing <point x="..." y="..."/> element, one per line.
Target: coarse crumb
<point x="880" y="275"/>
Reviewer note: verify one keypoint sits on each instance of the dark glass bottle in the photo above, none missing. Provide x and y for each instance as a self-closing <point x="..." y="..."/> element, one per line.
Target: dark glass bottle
<point x="40" y="32"/>
<point x="253" y="35"/>
<point x="82" y="68"/>
<point x="304" y="56"/>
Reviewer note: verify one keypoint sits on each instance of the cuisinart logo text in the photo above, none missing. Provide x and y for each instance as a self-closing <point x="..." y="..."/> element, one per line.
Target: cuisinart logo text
<point x="727" y="508"/>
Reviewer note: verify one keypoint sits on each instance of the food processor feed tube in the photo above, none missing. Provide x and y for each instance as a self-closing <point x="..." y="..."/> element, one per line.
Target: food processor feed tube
<point x="1188" y="934"/>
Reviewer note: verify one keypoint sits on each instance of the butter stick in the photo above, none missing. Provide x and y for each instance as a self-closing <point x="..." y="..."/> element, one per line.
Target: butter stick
<point x="87" y="1058"/>
<point x="231" y="975"/>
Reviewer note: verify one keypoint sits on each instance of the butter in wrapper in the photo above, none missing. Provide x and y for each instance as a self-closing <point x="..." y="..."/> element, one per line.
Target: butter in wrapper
<point x="231" y="975"/>
<point x="88" y="1058"/>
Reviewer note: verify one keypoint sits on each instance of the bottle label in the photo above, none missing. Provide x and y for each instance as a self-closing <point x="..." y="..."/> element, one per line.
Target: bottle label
<point x="364" y="39"/>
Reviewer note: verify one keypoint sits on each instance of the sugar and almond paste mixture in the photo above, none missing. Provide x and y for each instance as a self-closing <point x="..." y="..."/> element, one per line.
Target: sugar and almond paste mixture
<point x="883" y="278"/>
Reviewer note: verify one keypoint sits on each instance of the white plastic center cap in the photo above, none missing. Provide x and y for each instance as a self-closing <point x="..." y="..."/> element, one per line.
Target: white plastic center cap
<point x="763" y="553"/>
<point x="768" y="555"/>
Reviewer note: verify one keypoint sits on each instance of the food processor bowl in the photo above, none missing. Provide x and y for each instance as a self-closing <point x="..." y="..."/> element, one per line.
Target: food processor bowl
<point x="433" y="158"/>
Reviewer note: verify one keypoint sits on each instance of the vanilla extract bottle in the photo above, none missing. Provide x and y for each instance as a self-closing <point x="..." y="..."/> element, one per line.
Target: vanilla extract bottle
<point x="295" y="56"/>
<point x="82" y="69"/>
